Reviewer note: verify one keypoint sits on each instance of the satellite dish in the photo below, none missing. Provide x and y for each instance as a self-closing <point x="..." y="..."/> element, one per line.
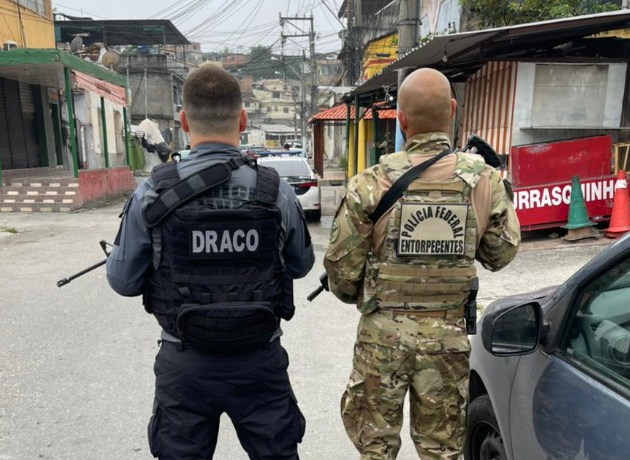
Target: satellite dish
<point x="76" y="44"/>
<point x="110" y="59"/>
<point x="9" y="45"/>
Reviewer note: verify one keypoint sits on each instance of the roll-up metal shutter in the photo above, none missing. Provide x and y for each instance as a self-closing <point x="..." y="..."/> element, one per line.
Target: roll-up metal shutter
<point x="29" y="123"/>
<point x="18" y="129"/>
<point x="5" y="142"/>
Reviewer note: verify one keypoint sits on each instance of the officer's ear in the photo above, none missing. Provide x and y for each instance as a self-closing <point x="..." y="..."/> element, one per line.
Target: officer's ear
<point x="242" y="121"/>
<point x="402" y="120"/>
<point x="184" y="121"/>
<point x="453" y="108"/>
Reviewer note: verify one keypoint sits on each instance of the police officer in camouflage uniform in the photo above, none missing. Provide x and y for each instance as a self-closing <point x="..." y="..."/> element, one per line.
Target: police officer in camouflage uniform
<point x="410" y="274"/>
<point x="213" y="243"/>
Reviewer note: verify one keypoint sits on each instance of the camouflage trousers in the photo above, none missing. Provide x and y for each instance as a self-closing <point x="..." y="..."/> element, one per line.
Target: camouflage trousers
<point x="396" y="354"/>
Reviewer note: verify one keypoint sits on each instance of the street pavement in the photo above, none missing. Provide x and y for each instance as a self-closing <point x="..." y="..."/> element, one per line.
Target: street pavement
<point x="76" y="377"/>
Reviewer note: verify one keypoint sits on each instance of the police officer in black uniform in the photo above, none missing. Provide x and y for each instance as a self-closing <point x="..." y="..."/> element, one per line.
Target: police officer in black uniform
<point x="213" y="243"/>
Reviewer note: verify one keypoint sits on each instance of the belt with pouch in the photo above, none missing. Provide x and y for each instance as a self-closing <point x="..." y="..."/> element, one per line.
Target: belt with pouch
<point x="446" y="313"/>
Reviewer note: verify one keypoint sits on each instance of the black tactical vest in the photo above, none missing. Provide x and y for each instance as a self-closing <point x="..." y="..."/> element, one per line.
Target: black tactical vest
<point x="220" y="276"/>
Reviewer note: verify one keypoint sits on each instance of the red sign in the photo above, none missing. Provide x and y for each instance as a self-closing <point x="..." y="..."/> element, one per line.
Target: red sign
<point x="542" y="173"/>
<point x="553" y="162"/>
<point x="548" y="205"/>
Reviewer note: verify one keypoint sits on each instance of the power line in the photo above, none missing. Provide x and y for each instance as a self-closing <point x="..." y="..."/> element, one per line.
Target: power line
<point x="246" y="14"/>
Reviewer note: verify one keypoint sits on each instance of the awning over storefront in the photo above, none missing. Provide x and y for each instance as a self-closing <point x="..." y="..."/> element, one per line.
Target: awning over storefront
<point x="45" y="67"/>
<point x="460" y="55"/>
<point x="57" y="71"/>
<point x="109" y="91"/>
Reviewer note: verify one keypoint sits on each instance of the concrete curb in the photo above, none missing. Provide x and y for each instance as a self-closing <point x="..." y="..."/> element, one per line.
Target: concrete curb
<point x="331" y="182"/>
<point x="333" y="177"/>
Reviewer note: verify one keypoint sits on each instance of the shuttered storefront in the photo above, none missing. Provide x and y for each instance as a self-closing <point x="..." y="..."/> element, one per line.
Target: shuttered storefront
<point x="18" y="128"/>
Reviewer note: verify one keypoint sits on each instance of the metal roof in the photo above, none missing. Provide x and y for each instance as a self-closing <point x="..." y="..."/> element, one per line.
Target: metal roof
<point x="339" y="112"/>
<point x="45" y="67"/>
<point x="462" y="54"/>
<point x="121" y="32"/>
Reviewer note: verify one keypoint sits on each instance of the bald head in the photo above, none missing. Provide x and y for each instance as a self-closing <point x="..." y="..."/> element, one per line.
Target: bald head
<point x="425" y="103"/>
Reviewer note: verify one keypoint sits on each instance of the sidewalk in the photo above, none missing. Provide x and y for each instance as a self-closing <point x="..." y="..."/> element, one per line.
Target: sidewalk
<point x="333" y="174"/>
<point x="333" y="186"/>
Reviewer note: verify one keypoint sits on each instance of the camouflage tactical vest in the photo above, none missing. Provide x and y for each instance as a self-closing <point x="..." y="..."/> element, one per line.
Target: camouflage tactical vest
<point x="427" y="260"/>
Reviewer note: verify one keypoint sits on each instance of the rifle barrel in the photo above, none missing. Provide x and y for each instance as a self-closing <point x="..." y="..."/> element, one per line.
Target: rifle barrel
<point x="315" y="293"/>
<point x="64" y="281"/>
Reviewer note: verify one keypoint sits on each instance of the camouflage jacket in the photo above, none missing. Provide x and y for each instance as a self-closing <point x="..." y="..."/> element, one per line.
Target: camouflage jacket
<point x="353" y="236"/>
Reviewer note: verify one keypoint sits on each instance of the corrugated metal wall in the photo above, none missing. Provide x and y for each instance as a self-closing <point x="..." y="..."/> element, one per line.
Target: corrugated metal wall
<point x="489" y="104"/>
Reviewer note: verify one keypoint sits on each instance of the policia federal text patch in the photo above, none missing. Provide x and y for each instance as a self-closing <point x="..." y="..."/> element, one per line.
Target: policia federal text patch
<point x="432" y="229"/>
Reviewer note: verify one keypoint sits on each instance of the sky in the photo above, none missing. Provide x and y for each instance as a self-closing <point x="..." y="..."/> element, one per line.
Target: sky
<point x="237" y="25"/>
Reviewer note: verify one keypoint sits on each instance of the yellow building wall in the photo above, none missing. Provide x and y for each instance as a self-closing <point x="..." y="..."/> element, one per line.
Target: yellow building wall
<point x="27" y="28"/>
<point x="379" y="54"/>
<point x="366" y="136"/>
<point x="617" y="33"/>
<point x="361" y="156"/>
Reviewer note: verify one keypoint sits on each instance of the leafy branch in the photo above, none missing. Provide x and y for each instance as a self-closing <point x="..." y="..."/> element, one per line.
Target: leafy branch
<point x="499" y="13"/>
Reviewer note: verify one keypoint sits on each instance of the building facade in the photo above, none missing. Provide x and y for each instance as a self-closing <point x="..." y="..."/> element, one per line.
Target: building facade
<point x="61" y="115"/>
<point x="26" y="24"/>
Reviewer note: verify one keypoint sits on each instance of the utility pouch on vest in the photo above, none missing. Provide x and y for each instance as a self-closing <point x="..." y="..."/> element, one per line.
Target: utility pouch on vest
<point x="227" y="327"/>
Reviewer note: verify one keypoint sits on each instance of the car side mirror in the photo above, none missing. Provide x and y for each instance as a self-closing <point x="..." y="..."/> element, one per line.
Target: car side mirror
<point x="514" y="331"/>
<point x="176" y="157"/>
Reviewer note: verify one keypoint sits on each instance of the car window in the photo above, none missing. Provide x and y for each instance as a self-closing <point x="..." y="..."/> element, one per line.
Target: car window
<point x="599" y="333"/>
<point x="288" y="168"/>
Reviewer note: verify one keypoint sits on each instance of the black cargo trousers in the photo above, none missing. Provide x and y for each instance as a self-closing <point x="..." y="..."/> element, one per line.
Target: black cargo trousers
<point x="193" y="389"/>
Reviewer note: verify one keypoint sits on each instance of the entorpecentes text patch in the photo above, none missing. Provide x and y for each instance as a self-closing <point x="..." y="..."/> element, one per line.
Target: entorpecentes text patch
<point x="432" y="229"/>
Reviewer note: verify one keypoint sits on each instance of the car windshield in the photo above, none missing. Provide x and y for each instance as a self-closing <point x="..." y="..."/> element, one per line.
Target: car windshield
<point x="289" y="168"/>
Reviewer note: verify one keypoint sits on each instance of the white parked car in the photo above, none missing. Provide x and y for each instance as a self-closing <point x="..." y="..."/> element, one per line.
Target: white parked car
<point x="297" y="172"/>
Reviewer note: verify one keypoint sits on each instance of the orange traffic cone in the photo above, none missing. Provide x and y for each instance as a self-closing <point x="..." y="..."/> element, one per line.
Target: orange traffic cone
<point x="620" y="216"/>
<point x="579" y="226"/>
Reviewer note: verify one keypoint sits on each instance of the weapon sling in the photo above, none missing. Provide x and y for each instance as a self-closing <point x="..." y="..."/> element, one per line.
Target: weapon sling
<point x="399" y="187"/>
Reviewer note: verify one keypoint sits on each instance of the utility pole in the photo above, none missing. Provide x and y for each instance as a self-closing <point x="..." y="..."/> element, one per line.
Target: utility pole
<point x="314" y="82"/>
<point x="408" y="22"/>
<point x="313" y="63"/>
<point x="358" y="39"/>
<point x="350" y="38"/>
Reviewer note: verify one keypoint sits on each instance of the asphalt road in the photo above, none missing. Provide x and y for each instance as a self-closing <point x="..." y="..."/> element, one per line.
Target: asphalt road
<point x="76" y="377"/>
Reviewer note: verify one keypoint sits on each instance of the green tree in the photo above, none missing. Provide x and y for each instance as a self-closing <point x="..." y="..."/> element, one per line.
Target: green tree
<point x="498" y="13"/>
<point x="260" y="63"/>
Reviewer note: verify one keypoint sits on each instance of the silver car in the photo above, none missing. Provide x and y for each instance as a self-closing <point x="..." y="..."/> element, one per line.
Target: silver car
<point x="299" y="174"/>
<point x="550" y="370"/>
